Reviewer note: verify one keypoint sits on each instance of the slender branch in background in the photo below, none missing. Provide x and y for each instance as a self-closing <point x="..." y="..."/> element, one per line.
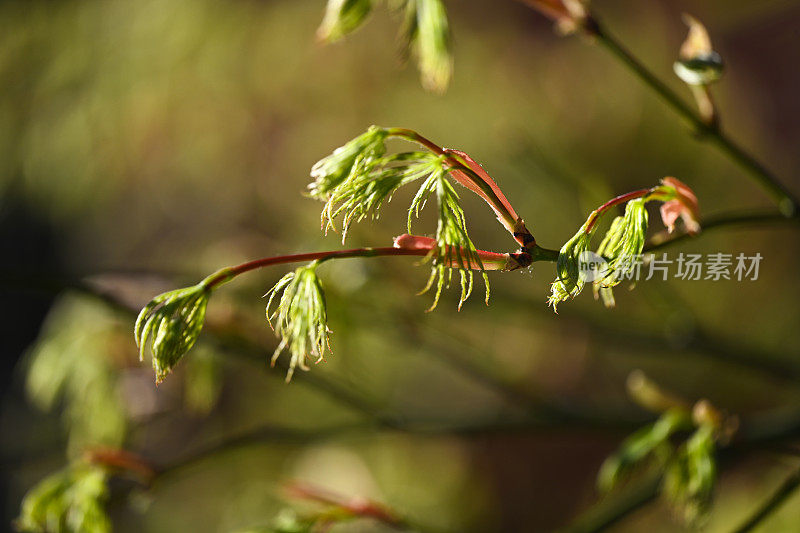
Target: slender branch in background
<point x="608" y="512"/>
<point x="758" y="432"/>
<point x="787" y="203"/>
<point x="786" y="489"/>
<point x="754" y="435"/>
<point x="236" y="346"/>
<point x="722" y="220"/>
<point x="422" y="427"/>
<point x="344" y="393"/>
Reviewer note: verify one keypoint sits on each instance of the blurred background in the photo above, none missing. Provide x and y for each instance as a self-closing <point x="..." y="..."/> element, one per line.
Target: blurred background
<point x="146" y="144"/>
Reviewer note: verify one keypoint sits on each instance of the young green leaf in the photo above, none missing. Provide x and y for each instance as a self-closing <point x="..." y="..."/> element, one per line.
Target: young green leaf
<point x="689" y="480"/>
<point x="172" y="321"/>
<point x="454" y="249"/>
<point x="342" y="17"/>
<point x="301" y="317"/>
<point x="621" y="247"/>
<point x="69" y="501"/>
<point x="651" y="441"/>
<point x="428" y="36"/>
<point x="681" y="202"/>
<point x="425" y="30"/>
<point x="361" y="195"/>
<point x="570" y="281"/>
<point x="355" y="158"/>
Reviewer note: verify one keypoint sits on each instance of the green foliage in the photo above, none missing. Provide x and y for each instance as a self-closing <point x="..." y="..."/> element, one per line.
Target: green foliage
<point x="343" y="17"/>
<point x="172" y="321"/>
<point x="624" y="240"/>
<point x="69" y="501"/>
<point x="428" y="35"/>
<point x="454" y="248"/>
<point x="301" y="317"/>
<point x="358" y="178"/>
<point x="570" y="282"/>
<point x="689" y="479"/>
<point x="72" y="361"/>
<point x="689" y="471"/>
<point x="355" y="158"/>
<point x="623" y="243"/>
<point x="651" y="441"/>
<point x="425" y="31"/>
<point x="621" y="246"/>
<point x="361" y="195"/>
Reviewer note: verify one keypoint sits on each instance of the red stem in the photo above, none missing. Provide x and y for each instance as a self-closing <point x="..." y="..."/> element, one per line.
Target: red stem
<point x="356" y="506"/>
<point x="228" y="273"/>
<point x="621" y="199"/>
<point x="485" y="187"/>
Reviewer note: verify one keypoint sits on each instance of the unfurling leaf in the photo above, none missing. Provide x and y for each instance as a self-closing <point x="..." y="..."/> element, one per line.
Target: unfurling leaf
<point x="621" y="248"/>
<point x="683" y="205"/>
<point x="301" y="317"/>
<point x="428" y="36"/>
<point x="690" y="476"/>
<point x="354" y="158"/>
<point x="171" y="322"/>
<point x="650" y="442"/>
<point x="362" y="194"/>
<point x="69" y="501"/>
<point x="343" y="17"/>
<point x="689" y="469"/>
<point x="570" y="281"/>
<point x="454" y="249"/>
<point x="619" y="253"/>
<point x="425" y="31"/>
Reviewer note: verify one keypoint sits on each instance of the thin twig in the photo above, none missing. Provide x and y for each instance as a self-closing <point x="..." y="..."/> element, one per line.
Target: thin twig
<point x="783" y="492"/>
<point x="787" y="203"/>
<point x="614" y="509"/>
<point x="724" y="220"/>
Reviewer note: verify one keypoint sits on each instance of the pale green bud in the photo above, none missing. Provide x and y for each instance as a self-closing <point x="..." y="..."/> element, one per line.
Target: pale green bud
<point x="343" y="17"/>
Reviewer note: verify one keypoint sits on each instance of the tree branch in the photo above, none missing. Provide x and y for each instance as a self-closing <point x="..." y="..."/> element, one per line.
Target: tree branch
<point x="722" y="220"/>
<point x="784" y="491"/>
<point x="787" y="203"/>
